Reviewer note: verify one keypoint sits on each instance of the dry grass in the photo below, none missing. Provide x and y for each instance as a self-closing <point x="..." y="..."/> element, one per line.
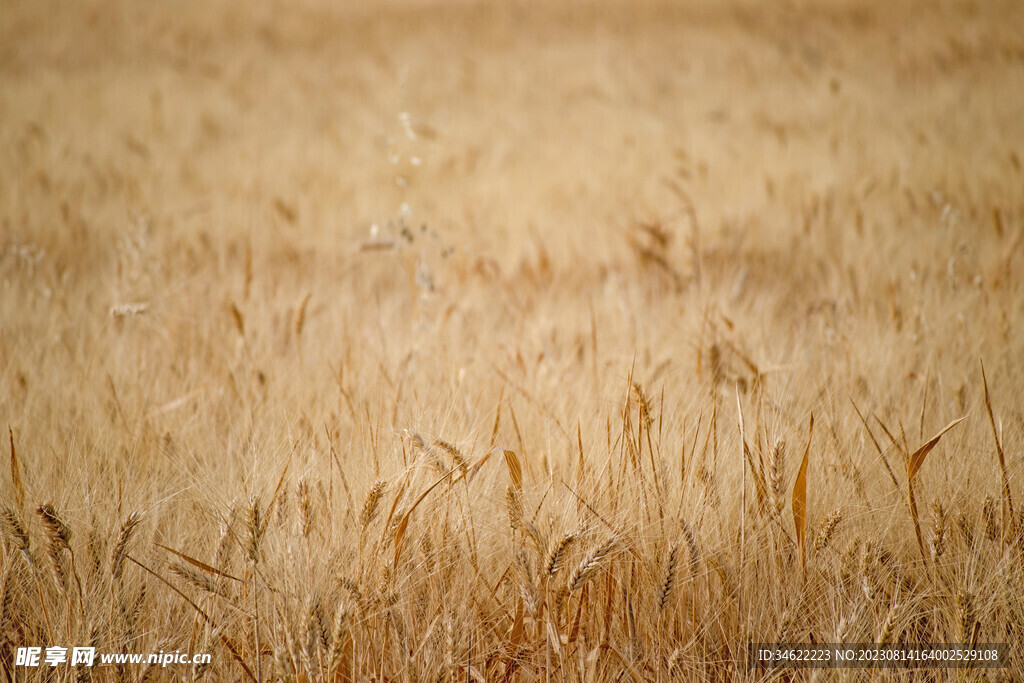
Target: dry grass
<point x="427" y="340"/>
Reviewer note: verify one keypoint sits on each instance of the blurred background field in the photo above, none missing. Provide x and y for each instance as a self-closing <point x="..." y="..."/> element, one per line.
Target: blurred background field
<point x="248" y="245"/>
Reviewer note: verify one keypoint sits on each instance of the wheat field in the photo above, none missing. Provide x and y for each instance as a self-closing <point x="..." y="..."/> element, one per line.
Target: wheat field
<point x="443" y="340"/>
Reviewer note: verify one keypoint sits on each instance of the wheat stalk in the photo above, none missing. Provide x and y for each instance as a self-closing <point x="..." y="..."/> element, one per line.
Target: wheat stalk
<point x="59" y="534"/>
<point x="939" y="517"/>
<point x="372" y="502"/>
<point x="966" y="529"/>
<point x="966" y="618"/>
<point x="888" y="626"/>
<point x="514" y="507"/>
<point x="195" y="579"/>
<point x="668" y="581"/>
<point x="556" y="554"/>
<point x="57" y="530"/>
<point x="591" y="564"/>
<point x="913" y="464"/>
<point x="16" y="480"/>
<point x="124" y="539"/>
<point x="868" y="570"/>
<point x="988" y="515"/>
<point x="827" y="530"/>
<point x="16" y="532"/>
<point x="339" y="632"/>
<point x="255" y="528"/>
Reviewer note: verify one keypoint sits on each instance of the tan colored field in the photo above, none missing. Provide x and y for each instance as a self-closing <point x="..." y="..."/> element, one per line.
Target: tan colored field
<point x="420" y="337"/>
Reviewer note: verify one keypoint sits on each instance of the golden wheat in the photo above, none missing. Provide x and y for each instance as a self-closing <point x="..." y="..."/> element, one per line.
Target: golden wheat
<point x="307" y="364"/>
